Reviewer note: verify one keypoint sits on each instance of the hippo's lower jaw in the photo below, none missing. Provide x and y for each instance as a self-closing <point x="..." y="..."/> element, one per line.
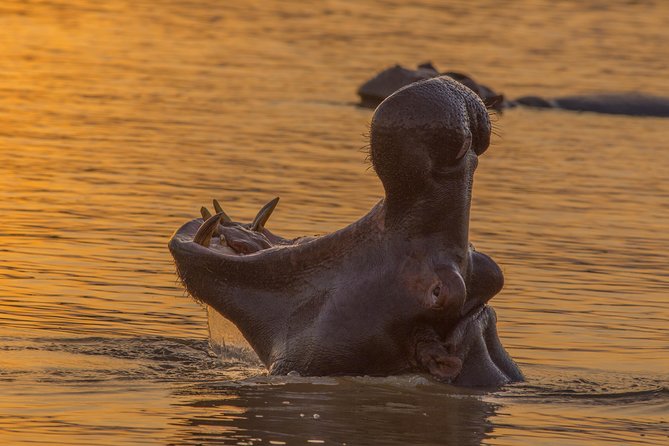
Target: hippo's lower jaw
<point x="471" y="353"/>
<point x="400" y="290"/>
<point x="485" y="361"/>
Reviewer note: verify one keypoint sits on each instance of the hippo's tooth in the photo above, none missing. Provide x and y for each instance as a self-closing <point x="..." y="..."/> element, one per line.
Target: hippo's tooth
<point x="206" y="215"/>
<point x="203" y="235"/>
<point x="263" y="215"/>
<point x="219" y="210"/>
<point x="465" y="146"/>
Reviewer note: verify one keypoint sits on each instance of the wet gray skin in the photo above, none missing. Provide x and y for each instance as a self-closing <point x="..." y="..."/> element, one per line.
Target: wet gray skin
<point x="400" y="290"/>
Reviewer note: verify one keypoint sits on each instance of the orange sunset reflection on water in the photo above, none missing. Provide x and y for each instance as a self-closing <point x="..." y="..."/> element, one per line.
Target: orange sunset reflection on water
<point x="119" y="119"/>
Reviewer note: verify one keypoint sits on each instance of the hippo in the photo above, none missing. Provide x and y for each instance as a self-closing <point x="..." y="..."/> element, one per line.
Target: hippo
<point x="631" y="104"/>
<point x="389" y="80"/>
<point x="375" y="90"/>
<point x="401" y="290"/>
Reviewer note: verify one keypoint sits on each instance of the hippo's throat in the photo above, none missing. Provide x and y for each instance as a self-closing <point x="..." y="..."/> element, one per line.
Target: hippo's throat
<point x="440" y="206"/>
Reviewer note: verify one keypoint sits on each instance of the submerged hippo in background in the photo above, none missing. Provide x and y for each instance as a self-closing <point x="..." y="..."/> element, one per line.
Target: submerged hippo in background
<point x="375" y="90"/>
<point x="400" y="290"/>
<point x="632" y="104"/>
<point x="385" y="83"/>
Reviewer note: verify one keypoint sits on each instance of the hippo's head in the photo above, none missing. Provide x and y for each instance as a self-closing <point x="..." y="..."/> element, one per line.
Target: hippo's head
<point x="400" y="290"/>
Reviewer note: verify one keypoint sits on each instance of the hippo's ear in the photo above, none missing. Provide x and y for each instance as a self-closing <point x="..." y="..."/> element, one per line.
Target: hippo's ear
<point x="451" y="291"/>
<point x="494" y="102"/>
<point x="428" y="66"/>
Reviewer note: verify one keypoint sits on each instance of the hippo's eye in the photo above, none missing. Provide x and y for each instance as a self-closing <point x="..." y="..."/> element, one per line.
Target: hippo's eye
<point x="436" y="291"/>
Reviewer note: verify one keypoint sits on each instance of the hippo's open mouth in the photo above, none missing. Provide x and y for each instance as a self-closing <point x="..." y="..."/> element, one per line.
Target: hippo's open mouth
<point x="235" y="238"/>
<point x="399" y="290"/>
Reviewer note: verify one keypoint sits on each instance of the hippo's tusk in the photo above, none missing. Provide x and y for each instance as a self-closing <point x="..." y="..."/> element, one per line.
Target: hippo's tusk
<point x="206" y="215"/>
<point x="263" y="215"/>
<point x="203" y="235"/>
<point x="219" y="210"/>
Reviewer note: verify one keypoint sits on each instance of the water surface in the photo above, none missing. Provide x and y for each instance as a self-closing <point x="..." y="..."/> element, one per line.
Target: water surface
<point x="119" y="119"/>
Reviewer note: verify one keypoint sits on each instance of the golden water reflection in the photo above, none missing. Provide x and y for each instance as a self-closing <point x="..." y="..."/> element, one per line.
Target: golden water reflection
<point x="119" y="119"/>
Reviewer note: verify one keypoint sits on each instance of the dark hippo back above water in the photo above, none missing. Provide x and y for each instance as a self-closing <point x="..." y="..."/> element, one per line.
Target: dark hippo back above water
<point x="387" y="81"/>
<point x="631" y="104"/>
<point x="375" y="90"/>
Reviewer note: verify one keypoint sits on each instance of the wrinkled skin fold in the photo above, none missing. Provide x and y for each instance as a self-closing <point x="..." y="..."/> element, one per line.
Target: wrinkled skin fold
<point x="400" y="290"/>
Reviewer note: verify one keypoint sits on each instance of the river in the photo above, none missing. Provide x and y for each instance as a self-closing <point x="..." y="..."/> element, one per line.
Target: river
<point x="119" y="119"/>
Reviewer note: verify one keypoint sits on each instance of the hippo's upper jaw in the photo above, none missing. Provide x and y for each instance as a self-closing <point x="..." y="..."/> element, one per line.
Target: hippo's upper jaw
<point x="399" y="290"/>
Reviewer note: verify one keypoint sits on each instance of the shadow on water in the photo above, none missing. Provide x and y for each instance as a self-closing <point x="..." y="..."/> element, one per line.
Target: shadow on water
<point x="411" y="409"/>
<point x="401" y="410"/>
